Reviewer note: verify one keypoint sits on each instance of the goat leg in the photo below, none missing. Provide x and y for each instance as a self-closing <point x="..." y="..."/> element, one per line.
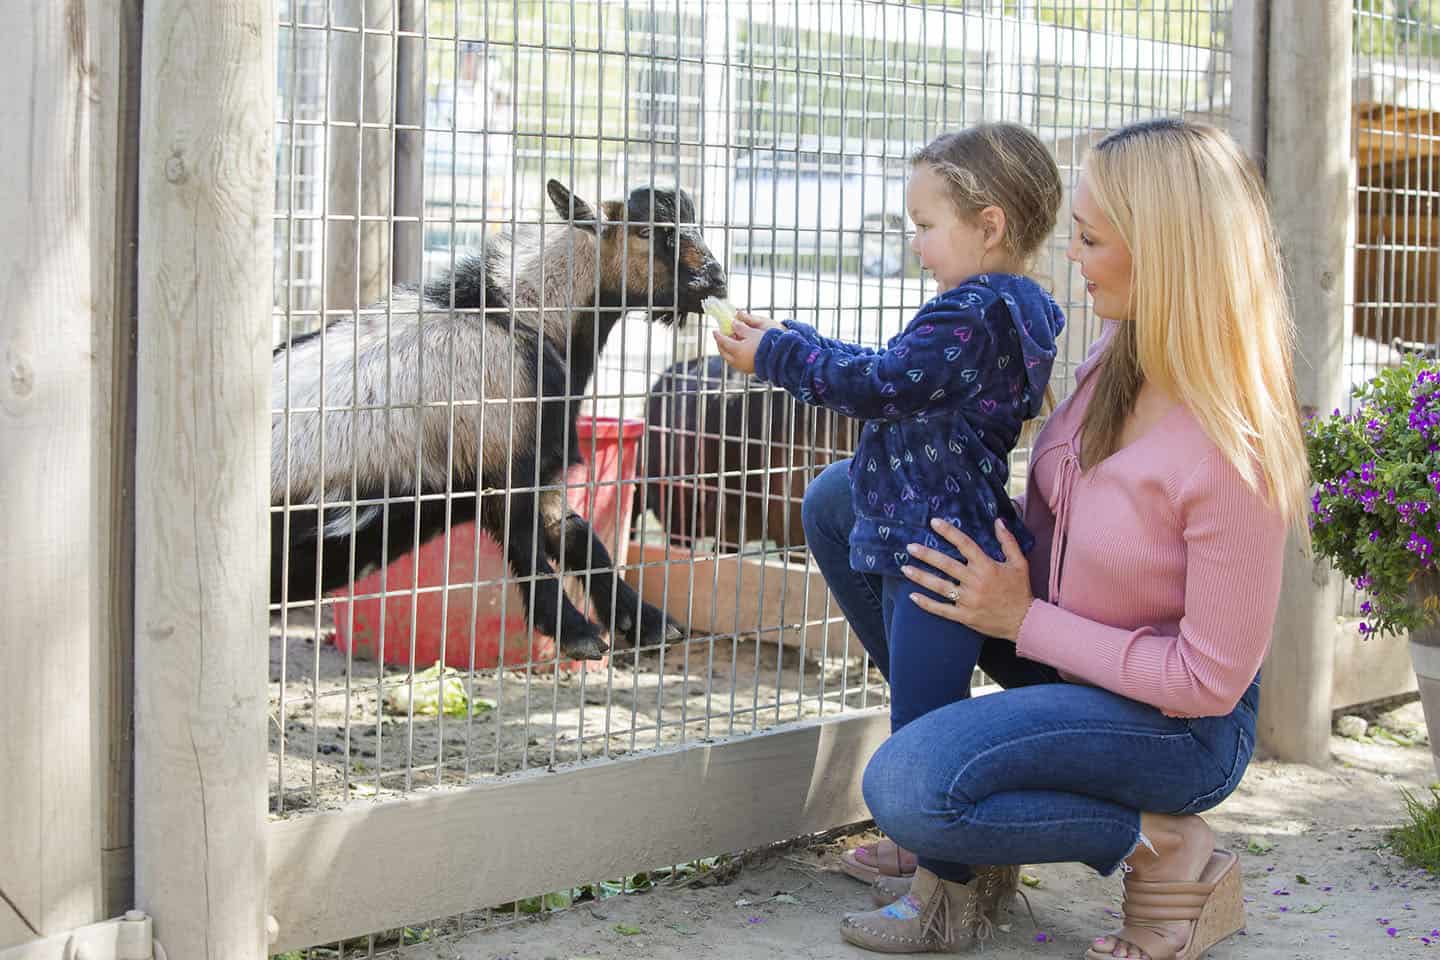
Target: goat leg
<point x="584" y="556"/>
<point x="540" y="586"/>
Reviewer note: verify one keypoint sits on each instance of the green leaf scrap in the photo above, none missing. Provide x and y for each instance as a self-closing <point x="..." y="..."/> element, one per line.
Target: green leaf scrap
<point x="435" y="690"/>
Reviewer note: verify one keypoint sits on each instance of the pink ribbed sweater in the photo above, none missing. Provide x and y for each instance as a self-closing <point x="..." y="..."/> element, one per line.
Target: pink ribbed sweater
<point x="1161" y="566"/>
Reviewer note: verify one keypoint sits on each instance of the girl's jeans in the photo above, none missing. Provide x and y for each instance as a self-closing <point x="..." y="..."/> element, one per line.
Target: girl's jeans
<point x="931" y="659"/>
<point x="1042" y="772"/>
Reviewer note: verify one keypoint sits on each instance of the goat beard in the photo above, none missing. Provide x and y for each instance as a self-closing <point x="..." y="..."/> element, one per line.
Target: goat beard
<point x="671" y="317"/>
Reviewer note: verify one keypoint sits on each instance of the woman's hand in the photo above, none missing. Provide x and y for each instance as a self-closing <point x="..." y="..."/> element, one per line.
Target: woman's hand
<point x="739" y="348"/>
<point x="988" y="597"/>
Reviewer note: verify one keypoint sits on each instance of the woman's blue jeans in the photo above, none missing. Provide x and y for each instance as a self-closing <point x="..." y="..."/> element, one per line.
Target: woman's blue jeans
<point x="1041" y="772"/>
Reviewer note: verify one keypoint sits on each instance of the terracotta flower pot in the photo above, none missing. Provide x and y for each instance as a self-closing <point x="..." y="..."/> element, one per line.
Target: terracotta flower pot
<point x="1425" y="656"/>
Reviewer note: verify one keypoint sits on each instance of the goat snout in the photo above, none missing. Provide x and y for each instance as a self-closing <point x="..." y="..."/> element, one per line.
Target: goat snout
<point x="710" y="280"/>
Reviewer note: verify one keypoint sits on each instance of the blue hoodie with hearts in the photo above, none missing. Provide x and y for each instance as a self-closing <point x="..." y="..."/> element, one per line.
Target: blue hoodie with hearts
<point x="944" y="404"/>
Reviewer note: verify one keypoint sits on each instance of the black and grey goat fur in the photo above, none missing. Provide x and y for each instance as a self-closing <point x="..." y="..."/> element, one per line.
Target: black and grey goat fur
<point x="404" y="425"/>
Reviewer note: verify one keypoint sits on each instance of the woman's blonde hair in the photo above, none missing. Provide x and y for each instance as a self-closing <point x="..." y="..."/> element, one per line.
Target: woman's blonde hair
<point x="1210" y="317"/>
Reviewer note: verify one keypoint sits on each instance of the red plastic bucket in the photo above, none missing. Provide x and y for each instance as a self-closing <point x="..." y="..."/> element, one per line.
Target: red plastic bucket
<point x="597" y="490"/>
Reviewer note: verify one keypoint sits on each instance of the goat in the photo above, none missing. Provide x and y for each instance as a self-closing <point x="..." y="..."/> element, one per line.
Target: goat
<point x="404" y="424"/>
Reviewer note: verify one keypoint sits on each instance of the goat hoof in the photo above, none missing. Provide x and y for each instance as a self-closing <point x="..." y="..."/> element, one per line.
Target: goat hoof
<point x="656" y="627"/>
<point x="587" y="646"/>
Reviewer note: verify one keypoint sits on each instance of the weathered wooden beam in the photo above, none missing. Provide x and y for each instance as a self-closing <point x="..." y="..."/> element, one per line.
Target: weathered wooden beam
<point x="1308" y="175"/>
<point x="49" y="834"/>
<point x="206" y="206"/>
<point x="373" y="866"/>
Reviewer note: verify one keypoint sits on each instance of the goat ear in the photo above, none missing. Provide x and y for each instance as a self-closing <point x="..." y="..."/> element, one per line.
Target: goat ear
<point x="613" y="211"/>
<point x="570" y="207"/>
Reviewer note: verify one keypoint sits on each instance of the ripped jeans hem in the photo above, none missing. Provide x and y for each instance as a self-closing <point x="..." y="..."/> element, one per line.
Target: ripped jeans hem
<point x="1140" y="841"/>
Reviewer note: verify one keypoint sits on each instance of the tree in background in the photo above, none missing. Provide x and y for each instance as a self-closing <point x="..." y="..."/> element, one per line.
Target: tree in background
<point x="1402" y="27"/>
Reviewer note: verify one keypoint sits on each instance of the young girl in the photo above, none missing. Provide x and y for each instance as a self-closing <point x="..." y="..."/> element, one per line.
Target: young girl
<point x="944" y="401"/>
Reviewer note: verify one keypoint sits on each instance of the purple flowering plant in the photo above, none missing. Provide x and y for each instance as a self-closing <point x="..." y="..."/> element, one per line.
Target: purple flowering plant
<point x="1375" y="512"/>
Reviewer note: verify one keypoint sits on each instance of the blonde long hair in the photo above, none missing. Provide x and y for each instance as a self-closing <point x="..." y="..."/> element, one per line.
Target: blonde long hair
<point x="1211" y="322"/>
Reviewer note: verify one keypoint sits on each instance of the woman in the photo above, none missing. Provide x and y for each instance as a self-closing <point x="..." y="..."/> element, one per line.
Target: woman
<point x="1131" y="639"/>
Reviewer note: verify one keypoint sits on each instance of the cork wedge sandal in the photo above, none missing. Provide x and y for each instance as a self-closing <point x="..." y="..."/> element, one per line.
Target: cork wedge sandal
<point x="1214" y="905"/>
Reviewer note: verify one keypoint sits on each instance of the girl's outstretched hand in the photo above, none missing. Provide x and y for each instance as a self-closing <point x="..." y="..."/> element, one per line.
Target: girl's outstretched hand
<point x="739" y="348"/>
<point x="759" y="323"/>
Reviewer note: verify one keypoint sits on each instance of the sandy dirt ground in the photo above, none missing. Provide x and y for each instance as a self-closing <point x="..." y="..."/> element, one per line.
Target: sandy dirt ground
<point x="1318" y="874"/>
<point x="341" y="743"/>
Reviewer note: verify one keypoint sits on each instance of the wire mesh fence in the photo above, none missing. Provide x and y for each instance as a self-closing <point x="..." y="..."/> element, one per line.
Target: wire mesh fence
<point x="1394" y="297"/>
<point x="416" y="137"/>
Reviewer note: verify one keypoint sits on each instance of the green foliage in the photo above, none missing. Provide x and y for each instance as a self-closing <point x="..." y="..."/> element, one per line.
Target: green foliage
<point x="689" y="872"/>
<point x="1375" y="510"/>
<point x="558" y="900"/>
<point x="1397" y="26"/>
<point x="1148" y="19"/>
<point x="1418" y="840"/>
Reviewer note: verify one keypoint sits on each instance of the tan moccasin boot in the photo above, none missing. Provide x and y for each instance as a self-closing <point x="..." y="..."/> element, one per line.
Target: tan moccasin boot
<point x="935" y="915"/>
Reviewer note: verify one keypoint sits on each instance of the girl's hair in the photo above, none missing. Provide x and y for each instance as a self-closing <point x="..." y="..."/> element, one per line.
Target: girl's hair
<point x="1210" y="320"/>
<point x="1000" y="165"/>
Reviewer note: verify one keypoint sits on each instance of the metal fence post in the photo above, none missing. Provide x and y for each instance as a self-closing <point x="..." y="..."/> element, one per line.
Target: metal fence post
<point x="206" y="180"/>
<point x="1308" y="121"/>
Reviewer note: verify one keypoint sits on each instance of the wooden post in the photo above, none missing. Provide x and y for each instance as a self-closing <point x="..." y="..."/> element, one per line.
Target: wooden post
<point x="1249" y="75"/>
<point x="1307" y="172"/>
<point x="409" y="236"/>
<point x="206" y="206"/>
<point x="49" y="836"/>
<point x="358" y="156"/>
